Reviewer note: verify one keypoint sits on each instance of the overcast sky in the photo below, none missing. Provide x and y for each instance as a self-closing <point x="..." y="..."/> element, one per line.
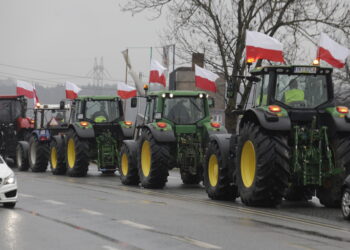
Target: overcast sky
<point x="64" y="36"/>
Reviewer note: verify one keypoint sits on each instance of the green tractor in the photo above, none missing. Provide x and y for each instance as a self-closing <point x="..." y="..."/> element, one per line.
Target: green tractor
<point x="95" y="132"/>
<point x="292" y="143"/>
<point x="173" y="133"/>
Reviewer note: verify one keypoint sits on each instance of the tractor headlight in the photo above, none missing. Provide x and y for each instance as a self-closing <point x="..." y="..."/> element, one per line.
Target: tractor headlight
<point x="11" y="179"/>
<point x="163" y="95"/>
<point x="171" y="95"/>
<point x="200" y="95"/>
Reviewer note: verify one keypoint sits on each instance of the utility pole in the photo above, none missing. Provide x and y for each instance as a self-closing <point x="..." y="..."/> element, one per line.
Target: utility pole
<point x="98" y="72"/>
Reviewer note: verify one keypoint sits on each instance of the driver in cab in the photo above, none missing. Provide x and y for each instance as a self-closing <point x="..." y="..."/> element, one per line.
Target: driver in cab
<point x="293" y="94"/>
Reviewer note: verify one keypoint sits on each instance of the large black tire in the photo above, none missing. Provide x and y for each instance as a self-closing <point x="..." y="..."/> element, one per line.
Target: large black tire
<point x="22" y="161"/>
<point x="217" y="175"/>
<point x="57" y="156"/>
<point x="153" y="161"/>
<point x="38" y="155"/>
<point x="263" y="166"/>
<point x="77" y="155"/>
<point x="192" y="179"/>
<point x="330" y="193"/>
<point x="128" y="165"/>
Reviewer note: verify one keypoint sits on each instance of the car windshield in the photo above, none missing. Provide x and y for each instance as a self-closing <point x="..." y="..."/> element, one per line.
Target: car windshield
<point x="102" y="110"/>
<point x="301" y="91"/>
<point x="184" y="110"/>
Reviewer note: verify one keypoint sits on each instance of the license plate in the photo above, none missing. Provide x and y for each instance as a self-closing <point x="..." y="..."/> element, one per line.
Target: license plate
<point x="305" y="70"/>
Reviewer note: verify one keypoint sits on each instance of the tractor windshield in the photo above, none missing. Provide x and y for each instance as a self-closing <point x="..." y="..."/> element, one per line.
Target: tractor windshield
<point x="102" y="110"/>
<point x="10" y="110"/>
<point x="301" y="91"/>
<point x="45" y="118"/>
<point x="184" y="110"/>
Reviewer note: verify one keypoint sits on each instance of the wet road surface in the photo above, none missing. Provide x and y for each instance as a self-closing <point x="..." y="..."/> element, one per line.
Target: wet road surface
<point x="98" y="212"/>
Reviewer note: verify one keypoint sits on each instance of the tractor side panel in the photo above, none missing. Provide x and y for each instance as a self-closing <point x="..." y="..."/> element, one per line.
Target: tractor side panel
<point x="161" y="135"/>
<point x="267" y="120"/>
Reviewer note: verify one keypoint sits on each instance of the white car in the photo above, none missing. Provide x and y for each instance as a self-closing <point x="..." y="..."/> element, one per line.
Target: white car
<point x="8" y="185"/>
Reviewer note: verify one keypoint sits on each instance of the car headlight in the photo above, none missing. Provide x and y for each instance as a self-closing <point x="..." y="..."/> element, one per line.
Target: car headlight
<point x="11" y="179"/>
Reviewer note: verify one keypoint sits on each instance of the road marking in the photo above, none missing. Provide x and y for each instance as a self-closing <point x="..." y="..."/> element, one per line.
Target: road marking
<point x="53" y="202"/>
<point x="26" y="195"/>
<point x="109" y="248"/>
<point x="90" y="212"/>
<point x="136" y="225"/>
<point x="197" y="243"/>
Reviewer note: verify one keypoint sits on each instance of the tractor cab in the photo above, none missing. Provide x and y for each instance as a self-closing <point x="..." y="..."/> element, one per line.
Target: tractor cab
<point x="303" y="91"/>
<point x="98" y="109"/>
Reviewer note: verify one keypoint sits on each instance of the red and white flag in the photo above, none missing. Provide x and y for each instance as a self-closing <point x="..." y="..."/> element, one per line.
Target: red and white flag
<point x="125" y="91"/>
<point x="332" y="52"/>
<point x="261" y="46"/>
<point x="72" y="90"/>
<point x="157" y="73"/>
<point x="25" y="88"/>
<point x="35" y="96"/>
<point x="205" y="79"/>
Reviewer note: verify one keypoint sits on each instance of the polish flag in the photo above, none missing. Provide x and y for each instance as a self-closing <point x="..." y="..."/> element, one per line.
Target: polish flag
<point x="157" y="73"/>
<point x="25" y="88"/>
<point x="332" y="52"/>
<point x="205" y="79"/>
<point x="35" y="96"/>
<point x="261" y="46"/>
<point x="125" y="91"/>
<point x="72" y="90"/>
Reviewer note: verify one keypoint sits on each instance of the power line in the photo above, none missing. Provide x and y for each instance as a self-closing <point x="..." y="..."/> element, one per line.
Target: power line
<point x="49" y="72"/>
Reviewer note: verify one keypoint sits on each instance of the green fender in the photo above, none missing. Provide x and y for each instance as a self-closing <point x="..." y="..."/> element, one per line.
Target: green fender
<point x="83" y="132"/>
<point x="161" y="135"/>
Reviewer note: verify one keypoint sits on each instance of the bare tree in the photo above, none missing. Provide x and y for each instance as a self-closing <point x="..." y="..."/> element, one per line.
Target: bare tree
<point x="217" y="28"/>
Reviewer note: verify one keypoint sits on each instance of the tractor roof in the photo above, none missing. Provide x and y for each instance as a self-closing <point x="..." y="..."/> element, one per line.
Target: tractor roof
<point x="177" y="93"/>
<point x="11" y="96"/>
<point x="107" y="98"/>
<point x="267" y="68"/>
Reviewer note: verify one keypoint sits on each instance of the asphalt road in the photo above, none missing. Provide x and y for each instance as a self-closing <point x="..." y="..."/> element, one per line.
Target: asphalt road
<point x="98" y="212"/>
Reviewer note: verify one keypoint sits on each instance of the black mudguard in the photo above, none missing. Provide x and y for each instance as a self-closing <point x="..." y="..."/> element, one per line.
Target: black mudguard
<point x="161" y="135"/>
<point x="60" y="139"/>
<point x="132" y="145"/>
<point x="346" y="183"/>
<point x="223" y="141"/>
<point x="266" y="120"/>
<point x="83" y="132"/>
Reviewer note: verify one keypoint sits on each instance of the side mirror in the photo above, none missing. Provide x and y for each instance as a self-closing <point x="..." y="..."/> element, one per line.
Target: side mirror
<point x="80" y="117"/>
<point x="134" y="102"/>
<point x="211" y="102"/>
<point x="62" y="104"/>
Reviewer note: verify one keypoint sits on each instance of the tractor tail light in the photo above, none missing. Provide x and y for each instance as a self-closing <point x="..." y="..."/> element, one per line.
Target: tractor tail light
<point x="32" y="121"/>
<point x="342" y="110"/>
<point x="128" y="123"/>
<point x="215" y="124"/>
<point x="42" y="138"/>
<point x="275" y="108"/>
<point x="161" y="124"/>
<point x="84" y="124"/>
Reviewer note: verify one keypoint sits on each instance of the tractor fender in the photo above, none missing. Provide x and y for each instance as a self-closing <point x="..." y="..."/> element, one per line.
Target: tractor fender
<point x="25" y="146"/>
<point x="128" y="132"/>
<point x="340" y="124"/>
<point x="223" y="142"/>
<point x="132" y="146"/>
<point x="267" y="121"/>
<point x="83" y="132"/>
<point x="59" y="139"/>
<point x="346" y="183"/>
<point x="161" y="135"/>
